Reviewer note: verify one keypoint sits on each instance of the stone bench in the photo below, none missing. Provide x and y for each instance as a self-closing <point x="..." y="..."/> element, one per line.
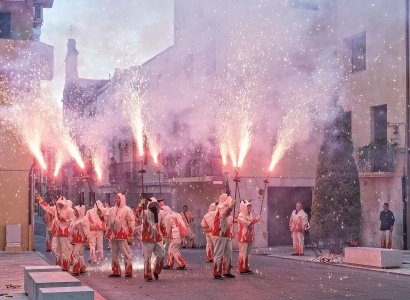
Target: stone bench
<point x="38" y="280"/>
<point x="66" y="293"/>
<point x="29" y="269"/>
<point x="373" y="257"/>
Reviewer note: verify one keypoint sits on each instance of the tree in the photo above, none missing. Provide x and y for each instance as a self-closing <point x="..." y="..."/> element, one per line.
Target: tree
<point x="336" y="208"/>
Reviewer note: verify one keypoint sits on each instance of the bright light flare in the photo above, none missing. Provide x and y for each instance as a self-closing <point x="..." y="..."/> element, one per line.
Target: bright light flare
<point x="58" y="163"/>
<point x="39" y="156"/>
<point x="134" y="104"/>
<point x="97" y="169"/>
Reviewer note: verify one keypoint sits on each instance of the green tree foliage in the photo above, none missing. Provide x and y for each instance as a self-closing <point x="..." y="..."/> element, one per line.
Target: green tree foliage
<point x="336" y="209"/>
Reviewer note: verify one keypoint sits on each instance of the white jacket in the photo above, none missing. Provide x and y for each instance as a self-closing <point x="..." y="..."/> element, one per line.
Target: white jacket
<point x="79" y="227"/>
<point x="207" y="222"/>
<point x="96" y="223"/>
<point x="120" y="221"/>
<point x="61" y="217"/>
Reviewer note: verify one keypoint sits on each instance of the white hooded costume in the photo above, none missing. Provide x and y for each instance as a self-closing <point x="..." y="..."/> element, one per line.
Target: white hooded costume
<point x="245" y="236"/>
<point x="174" y="228"/>
<point x="152" y="232"/>
<point x="207" y="223"/>
<point x="120" y="230"/>
<point x="97" y="227"/>
<point x="61" y="229"/>
<point x="221" y="236"/>
<point x="79" y="235"/>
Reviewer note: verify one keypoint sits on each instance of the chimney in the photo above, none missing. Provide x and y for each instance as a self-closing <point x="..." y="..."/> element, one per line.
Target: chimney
<point x="71" y="70"/>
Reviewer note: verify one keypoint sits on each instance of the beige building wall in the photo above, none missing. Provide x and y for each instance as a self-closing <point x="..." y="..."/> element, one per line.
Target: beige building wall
<point x="15" y="163"/>
<point x="383" y="82"/>
<point x="35" y="63"/>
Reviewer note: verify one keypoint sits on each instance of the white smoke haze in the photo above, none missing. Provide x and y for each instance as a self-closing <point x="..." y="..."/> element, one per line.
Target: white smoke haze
<point x="270" y="88"/>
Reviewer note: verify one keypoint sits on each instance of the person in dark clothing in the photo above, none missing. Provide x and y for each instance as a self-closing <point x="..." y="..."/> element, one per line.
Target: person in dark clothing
<point x="386" y="226"/>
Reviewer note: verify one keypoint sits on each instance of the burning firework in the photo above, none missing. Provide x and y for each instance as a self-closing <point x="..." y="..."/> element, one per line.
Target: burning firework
<point x="38" y="120"/>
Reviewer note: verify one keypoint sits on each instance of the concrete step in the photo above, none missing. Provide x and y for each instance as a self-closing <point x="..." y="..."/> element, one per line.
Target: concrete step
<point x="373" y="257"/>
<point x="38" y="280"/>
<point x="66" y="293"/>
<point x="29" y="269"/>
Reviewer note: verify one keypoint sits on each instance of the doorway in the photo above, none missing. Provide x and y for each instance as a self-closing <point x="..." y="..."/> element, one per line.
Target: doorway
<point x="281" y="203"/>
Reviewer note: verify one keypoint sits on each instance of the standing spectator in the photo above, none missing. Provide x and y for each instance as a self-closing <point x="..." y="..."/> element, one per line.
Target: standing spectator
<point x="95" y="216"/>
<point x="188" y="219"/>
<point x="207" y="223"/>
<point x="120" y="229"/>
<point x="79" y="235"/>
<point x="297" y="224"/>
<point x="386" y="226"/>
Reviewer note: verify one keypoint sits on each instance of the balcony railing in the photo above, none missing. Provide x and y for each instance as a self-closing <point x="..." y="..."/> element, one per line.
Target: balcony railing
<point x="377" y="157"/>
<point x="122" y="172"/>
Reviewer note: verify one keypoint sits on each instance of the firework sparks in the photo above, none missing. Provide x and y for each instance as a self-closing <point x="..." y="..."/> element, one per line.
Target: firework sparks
<point x="240" y="96"/>
<point x="26" y="115"/>
<point x="134" y="103"/>
<point x="59" y="162"/>
<point x="38" y="120"/>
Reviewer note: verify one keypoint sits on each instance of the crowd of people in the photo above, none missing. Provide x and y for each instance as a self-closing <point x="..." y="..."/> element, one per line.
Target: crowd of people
<point x="154" y="226"/>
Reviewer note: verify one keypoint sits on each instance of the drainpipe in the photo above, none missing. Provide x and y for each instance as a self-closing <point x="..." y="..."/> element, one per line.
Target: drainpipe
<point x="30" y="207"/>
<point x="407" y="135"/>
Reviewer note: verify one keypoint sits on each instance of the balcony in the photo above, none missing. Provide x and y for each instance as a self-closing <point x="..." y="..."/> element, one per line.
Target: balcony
<point x="122" y="172"/>
<point x="27" y="57"/>
<point x="378" y="157"/>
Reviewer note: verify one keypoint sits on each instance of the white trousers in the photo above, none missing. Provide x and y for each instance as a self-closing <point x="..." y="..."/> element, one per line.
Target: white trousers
<point x="63" y="252"/>
<point x="209" y="246"/>
<point x="149" y="249"/>
<point x="117" y="247"/>
<point x="78" y="264"/>
<point x="245" y="250"/>
<point x="298" y="242"/>
<point x="96" y="239"/>
<point x="222" y="254"/>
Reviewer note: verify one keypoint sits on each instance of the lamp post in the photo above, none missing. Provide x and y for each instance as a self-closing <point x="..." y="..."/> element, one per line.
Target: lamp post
<point x="142" y="171"/>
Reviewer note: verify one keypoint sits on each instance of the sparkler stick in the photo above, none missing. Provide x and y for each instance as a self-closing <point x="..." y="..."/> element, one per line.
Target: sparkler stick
<point x="142" y="171"/>
<point x="266" y="181"/>
<point x="159" y="179"/>
<point x="227" y="188"/>
<point x="236" y="179"/>
<point x="85" y="178"/>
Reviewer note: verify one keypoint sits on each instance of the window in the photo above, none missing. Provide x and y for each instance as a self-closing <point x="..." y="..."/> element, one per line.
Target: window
<point x="379" y="124"/>
<point x="5" y="28"/>
<point x="354" y="53"/>
<point x="38" y="12"/>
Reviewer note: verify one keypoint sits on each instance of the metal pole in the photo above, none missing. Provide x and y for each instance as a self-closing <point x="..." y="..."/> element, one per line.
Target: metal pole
<point x="407" y="134"/>
<point x="264" y="192"/>
<point x="159" y="180"/>
<point x="237" y="179"/>
<point x="142" y="171"/>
